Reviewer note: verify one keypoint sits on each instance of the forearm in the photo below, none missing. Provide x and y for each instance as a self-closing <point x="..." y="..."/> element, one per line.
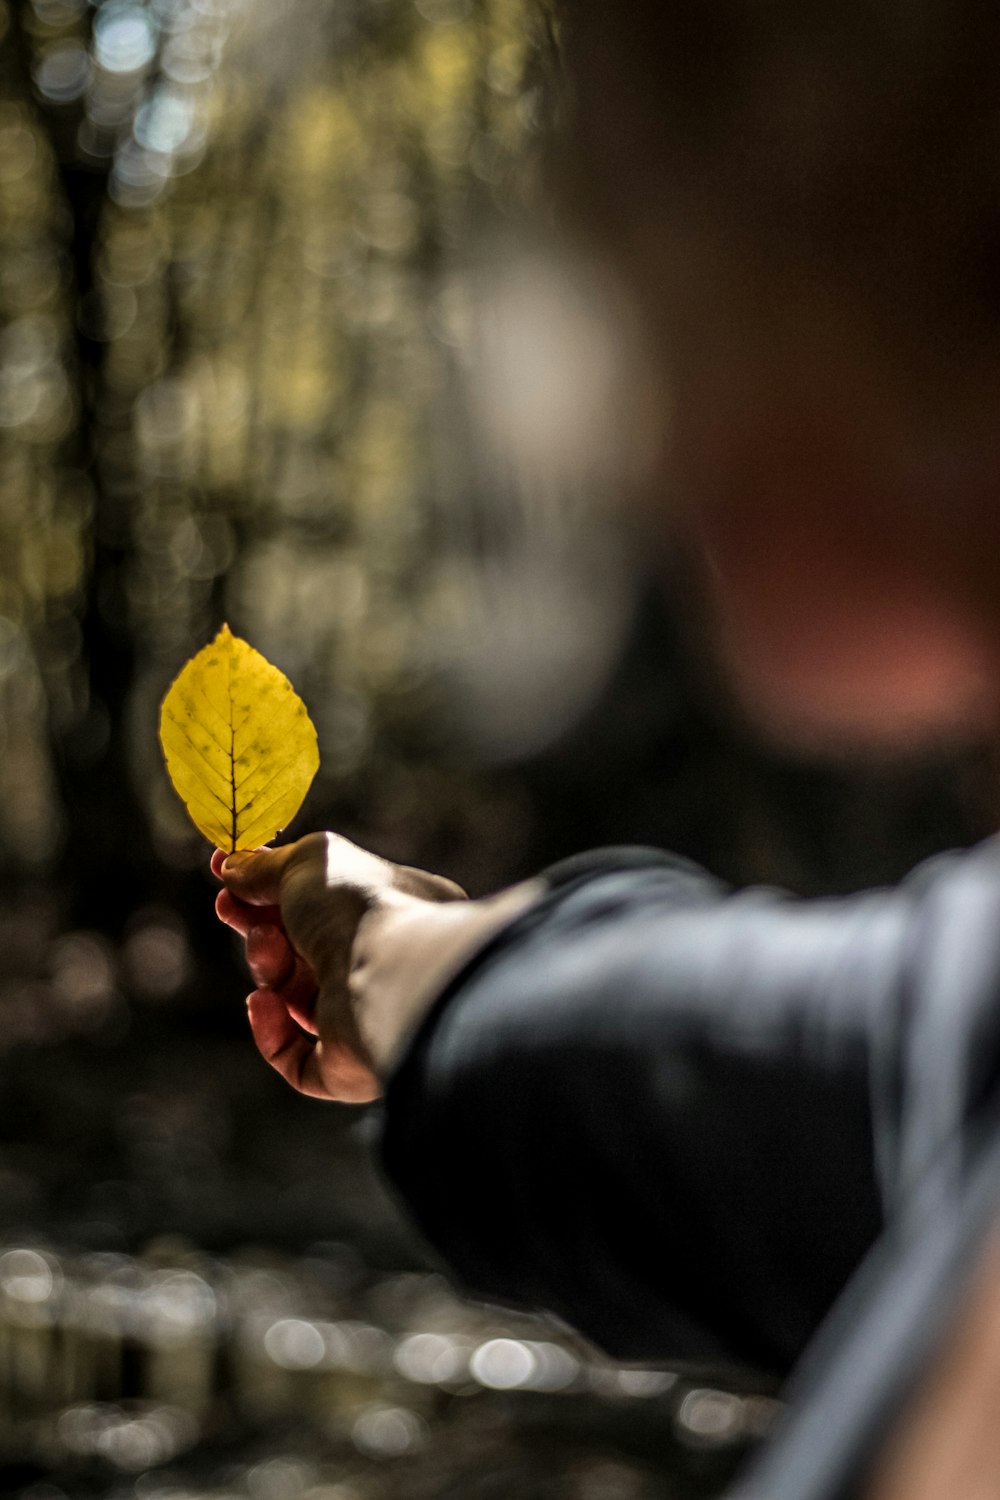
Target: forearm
<point x="651" y="1097"/>
<point x="677" y="1115"/>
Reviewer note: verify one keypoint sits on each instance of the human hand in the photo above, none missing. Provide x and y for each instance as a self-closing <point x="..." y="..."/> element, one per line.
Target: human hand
<point x="300" y="909"/>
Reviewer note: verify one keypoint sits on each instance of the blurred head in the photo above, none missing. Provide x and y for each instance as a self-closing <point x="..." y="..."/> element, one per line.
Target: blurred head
<point x="803" y="200"/>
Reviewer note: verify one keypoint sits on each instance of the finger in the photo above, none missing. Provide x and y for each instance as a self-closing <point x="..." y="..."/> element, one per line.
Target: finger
<point x="215" y="864"/>
<point x="254" y="875"/>
<point x="241" y="917"/>
<point x="339" y="1073"/>
<point x="299" y="992"/>
<point x="278" y="1039"/>
<point x="323" y="1070"/>
<point x="269" y="954"/>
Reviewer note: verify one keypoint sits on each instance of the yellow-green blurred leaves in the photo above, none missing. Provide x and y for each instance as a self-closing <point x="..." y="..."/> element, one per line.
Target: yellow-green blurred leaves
<point x="239" y="745"/>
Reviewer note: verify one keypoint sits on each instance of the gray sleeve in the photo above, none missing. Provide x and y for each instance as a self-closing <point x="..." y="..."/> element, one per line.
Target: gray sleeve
<point x="675" y="1114"/>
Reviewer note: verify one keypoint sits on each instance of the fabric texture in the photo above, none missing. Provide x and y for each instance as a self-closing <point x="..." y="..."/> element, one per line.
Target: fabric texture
<point x="679" y="1116"/>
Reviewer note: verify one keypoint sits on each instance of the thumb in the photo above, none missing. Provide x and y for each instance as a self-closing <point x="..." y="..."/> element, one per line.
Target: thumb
<point x="254" y="875"/>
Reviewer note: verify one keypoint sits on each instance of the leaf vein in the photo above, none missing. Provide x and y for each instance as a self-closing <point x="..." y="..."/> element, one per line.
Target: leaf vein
<point x="269" y="782"/>
<point x="202" y="756"/>
<point x="258" y="721"/>
<point x="210" y="817"/>
<point x="232" y="755"/>
<point x="262" y="819"/>
<point x="223" y="747"/>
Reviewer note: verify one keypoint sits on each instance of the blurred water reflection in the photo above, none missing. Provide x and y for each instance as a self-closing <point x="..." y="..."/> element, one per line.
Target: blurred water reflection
<point x="168" y="1360"/>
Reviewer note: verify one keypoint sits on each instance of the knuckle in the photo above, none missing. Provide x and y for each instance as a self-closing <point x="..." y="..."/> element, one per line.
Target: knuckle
<point x="304" y="859"/>
<point x="307" y="850"/>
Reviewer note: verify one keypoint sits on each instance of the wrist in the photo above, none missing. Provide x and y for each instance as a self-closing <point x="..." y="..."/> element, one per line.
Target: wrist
<point x="407" y="950"/>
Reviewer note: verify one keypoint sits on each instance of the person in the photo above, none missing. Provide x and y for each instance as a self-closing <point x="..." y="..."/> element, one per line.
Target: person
<point x="686" y="1118"/>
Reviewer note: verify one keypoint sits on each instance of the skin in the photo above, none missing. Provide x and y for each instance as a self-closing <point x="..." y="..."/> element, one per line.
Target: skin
<point x="347" y="952"/>
<point x="947" y="1445"/>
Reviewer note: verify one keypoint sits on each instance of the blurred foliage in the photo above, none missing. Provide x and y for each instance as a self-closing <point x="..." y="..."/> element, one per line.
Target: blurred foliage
<point x="232" y="250"/>
<point x="243" y="308"/>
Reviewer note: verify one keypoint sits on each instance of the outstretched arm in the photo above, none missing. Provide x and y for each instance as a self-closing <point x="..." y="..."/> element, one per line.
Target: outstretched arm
<point x="668" y="1111"/>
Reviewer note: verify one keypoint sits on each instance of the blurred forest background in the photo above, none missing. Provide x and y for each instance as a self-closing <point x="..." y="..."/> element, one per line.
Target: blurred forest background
<point x="283" y="343"/>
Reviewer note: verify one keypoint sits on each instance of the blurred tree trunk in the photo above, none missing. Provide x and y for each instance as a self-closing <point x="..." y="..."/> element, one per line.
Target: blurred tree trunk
<point x="107" y="856"/>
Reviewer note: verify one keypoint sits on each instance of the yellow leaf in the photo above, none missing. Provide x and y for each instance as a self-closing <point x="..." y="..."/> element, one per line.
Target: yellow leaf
<point x="239" y="746"/>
